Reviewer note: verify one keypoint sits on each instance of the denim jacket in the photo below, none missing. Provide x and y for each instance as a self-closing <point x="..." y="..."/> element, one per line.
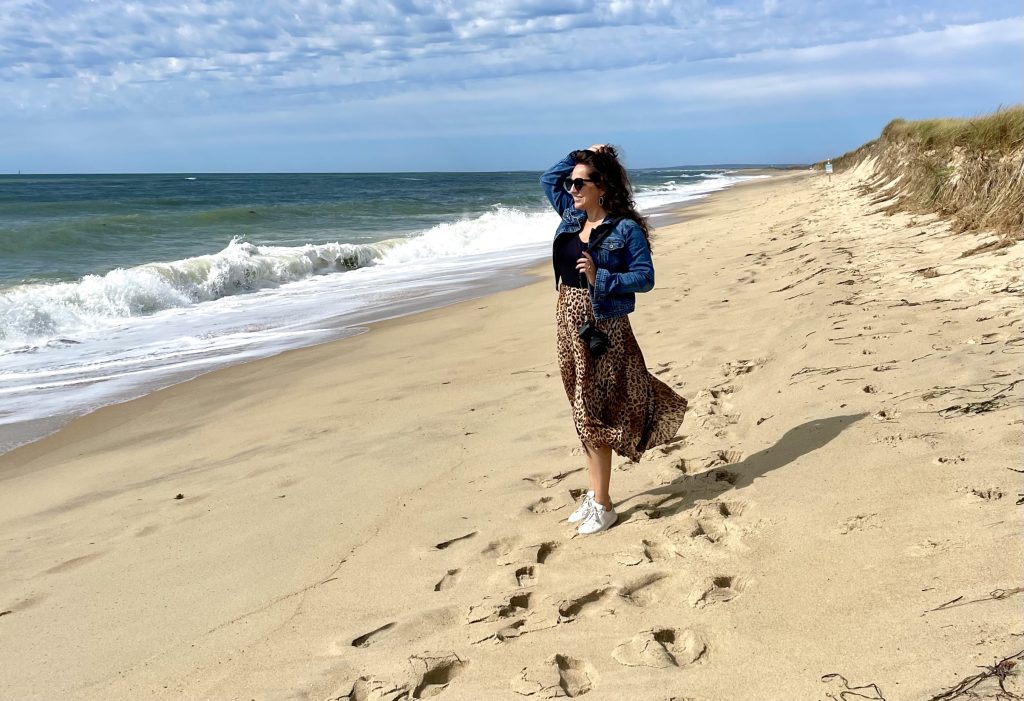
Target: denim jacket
<point x="622" y="256"/>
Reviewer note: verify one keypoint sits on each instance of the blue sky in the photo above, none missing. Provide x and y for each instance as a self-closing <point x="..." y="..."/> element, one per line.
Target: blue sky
<point x="233" y="85"/>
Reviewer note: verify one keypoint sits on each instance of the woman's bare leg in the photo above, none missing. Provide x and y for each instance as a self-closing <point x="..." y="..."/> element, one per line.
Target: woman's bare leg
<point x="599" y="468"/>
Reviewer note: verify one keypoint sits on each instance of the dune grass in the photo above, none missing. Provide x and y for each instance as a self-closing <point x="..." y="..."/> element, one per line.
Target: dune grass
<point x="971" y="170"/>
<point x="1001" y="130"/>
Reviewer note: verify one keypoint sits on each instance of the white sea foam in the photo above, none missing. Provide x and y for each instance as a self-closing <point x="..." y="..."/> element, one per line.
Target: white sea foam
<point x="37" y="313"/>
<point x="673" y="191"/>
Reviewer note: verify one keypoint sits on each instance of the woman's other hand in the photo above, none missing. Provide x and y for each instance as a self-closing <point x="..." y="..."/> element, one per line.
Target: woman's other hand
<point x="586" y="266"/>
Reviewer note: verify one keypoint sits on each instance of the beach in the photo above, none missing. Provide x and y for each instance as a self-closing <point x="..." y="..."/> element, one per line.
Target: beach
<point x="382" y="516"/>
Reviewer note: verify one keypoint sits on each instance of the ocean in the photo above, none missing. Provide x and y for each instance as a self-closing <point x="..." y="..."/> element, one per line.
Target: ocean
<point x="112" y="286"/>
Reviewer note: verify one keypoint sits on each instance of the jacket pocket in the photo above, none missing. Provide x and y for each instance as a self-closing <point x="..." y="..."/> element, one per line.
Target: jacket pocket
<point x="611" y="254"/>
<point x="612" y="243"/>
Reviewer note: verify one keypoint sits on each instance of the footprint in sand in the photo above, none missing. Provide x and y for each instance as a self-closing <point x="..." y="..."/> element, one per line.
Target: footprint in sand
<point x="493" y="609"/>
<point x="545" y="505"/>
<point x="531" y="553"/>
<point x="718" y="458"/>
<point x="712" y="481"/>
<point x="928" y="547"/>
<point x="672" y="471"/>
<point x="544" y="551"/>
<point x="560" y="676"/>
<point x="707" y="523"/>
<point x="648" y="512"/>
<point x="429" y="676"/>
<point x="432" y="675"/>
<point x="727" y="476"/>
<point x="653" y="509"/>
<point x="886" y="415"/>
<point x="714" y="410"/>
<point x="719" y="590"/>
<point x="511" y="631"/>
<point x="858" y="523"/>
<point x="643" y="591"/>
<point x="632" y="557"/>
<point x="418" y="626"/>
<point x="448" y="581"/>
<point x="987" y="493"/>
<point x="526" y="576"/>
<point x="372" y="689"/>
<point x="571" y="609"/>
<point x="445" y="544"/>
<point x="672" y="445"/>
<point x="661" y="648"/>
<point x="370" y="638"/>
<point x="742" y="367"/>
<point x="502" y="547"/>
<point x="656" y="552"/>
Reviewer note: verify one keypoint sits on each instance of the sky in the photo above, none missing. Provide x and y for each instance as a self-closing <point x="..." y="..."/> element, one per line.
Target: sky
<point x="483" y="85"/>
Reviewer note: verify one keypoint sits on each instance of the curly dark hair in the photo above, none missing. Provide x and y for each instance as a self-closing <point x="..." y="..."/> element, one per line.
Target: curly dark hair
<point x="608" y="173"/>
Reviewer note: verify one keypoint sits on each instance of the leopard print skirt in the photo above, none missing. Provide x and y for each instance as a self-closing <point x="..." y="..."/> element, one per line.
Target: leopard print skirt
<point x="615" y="401"/>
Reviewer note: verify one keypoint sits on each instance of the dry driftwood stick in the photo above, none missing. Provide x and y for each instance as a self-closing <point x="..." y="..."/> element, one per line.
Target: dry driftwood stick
<point x="794" y="284"/>
<point x="907" y="303"/>
<point x="994" y="595"/>
<point x="853" y="692"/>
<point x="942" y="606"/>
<point x="827" y="371"/>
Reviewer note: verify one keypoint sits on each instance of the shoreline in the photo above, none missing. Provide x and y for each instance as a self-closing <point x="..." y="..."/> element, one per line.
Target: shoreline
<point x="386" y="513"/>
<point x="20" y="434"/>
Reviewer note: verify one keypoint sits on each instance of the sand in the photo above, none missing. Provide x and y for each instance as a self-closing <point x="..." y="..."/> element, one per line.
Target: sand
<point x="383" y="517"/>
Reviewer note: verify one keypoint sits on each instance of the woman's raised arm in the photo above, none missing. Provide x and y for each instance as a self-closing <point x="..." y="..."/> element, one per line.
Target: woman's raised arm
<point x="552" y="183"/>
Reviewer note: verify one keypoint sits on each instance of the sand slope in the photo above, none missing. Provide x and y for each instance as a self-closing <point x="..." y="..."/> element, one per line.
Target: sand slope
<point x="380" y="518"/>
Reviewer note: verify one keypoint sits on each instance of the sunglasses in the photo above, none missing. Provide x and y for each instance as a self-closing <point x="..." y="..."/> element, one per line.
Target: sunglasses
<point x="576" y="183"/>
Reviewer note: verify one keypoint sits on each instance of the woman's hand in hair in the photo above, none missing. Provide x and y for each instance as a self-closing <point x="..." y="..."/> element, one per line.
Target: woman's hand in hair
<point x="597" y="148"/>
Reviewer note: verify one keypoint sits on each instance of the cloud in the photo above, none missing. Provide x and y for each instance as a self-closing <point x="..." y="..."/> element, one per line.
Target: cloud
<point x="228" y="72"/>
<point x="102" y="52"/>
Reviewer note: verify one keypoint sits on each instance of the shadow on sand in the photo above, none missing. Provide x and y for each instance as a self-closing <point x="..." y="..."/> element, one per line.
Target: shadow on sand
<point x="681" y="493"/>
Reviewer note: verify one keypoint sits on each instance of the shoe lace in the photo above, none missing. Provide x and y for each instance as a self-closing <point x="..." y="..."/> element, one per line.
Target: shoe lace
<point x="592" y="512"/>
<point x="587" y="504"/>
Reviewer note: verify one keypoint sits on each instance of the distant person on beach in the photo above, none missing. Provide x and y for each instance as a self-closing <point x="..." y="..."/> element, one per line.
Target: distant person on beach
<point x="602" y="258"/>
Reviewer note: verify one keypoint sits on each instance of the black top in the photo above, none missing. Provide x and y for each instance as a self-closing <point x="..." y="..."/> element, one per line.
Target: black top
<point x="570" y="249"/>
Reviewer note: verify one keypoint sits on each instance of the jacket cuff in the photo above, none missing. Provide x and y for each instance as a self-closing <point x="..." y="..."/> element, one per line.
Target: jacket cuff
<point x="601" y="282"/>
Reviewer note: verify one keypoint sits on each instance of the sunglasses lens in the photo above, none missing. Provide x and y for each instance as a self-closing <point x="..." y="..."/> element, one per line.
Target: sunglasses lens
<point x="571" y="183"/>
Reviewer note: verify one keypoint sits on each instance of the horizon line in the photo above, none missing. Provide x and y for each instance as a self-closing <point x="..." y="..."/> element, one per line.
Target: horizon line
<point x="748" y="166"/>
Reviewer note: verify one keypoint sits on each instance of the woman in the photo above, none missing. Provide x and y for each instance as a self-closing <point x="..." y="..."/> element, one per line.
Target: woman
<point x="602" y="258"/>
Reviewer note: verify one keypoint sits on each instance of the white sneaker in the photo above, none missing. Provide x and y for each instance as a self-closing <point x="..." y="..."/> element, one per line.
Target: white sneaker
<point x="583" y="509"/>
<point x="599" y="519"/>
